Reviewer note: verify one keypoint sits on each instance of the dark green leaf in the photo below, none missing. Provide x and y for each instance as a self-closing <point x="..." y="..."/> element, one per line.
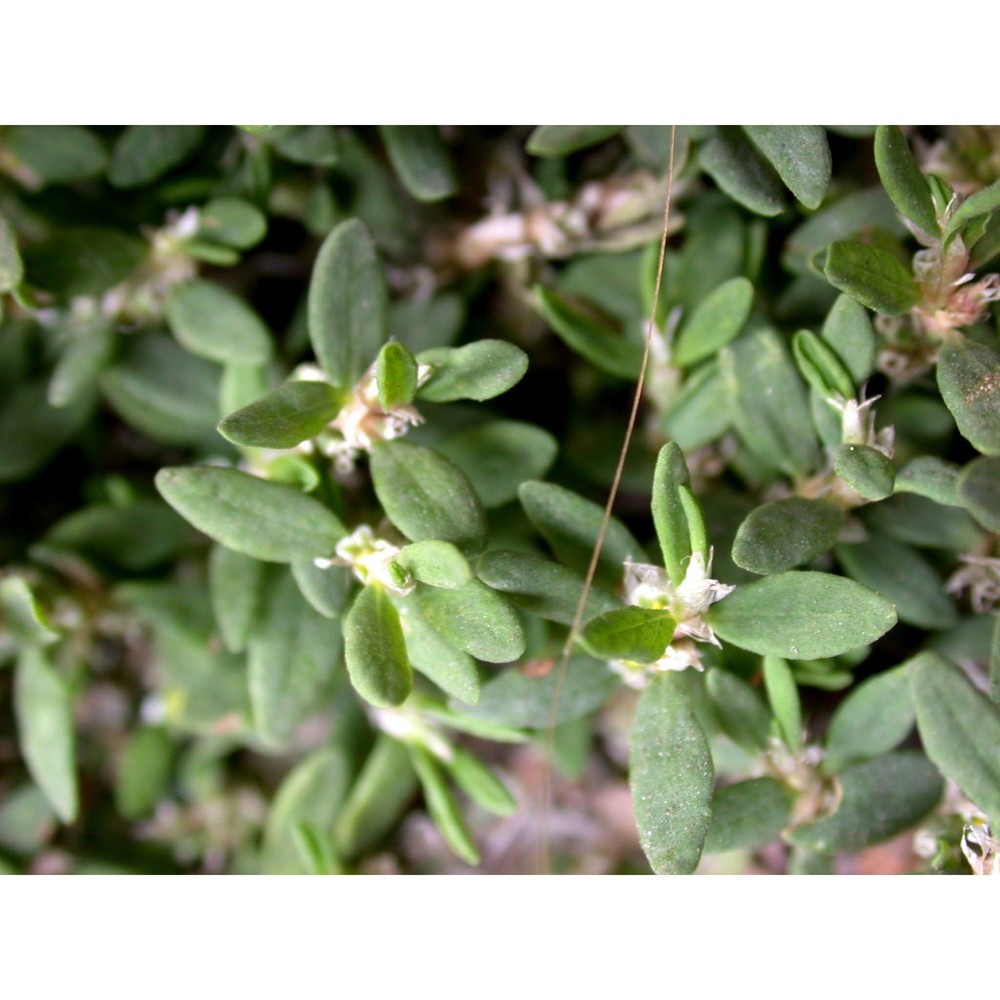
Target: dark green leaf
<point x="326" y="588"/>
<point x="741" y="712"/>
<point x="315" y="145"/>
<point x="425" y="496"/>
<point x="11" y="266"/>
<point x="85" y="356"/>
<point x="783" y="534"/>
<point x="700" y="413"/>
<point x="979" y="491"/>
<point x="820" y="366"/>
<point x="235" y="584"/>
<point x="232" y="222"/>
<point x="421" y="160"/>
<point x="589" y="335"/>
<point x="22" y="616"/>
<point x="44" y="711"/>
<point x="801" y="156"/>
<point x="500" y="455"/>
<point x="143" y="772"/>
<point x="740" y="171"/>
<point x="82" y="261"/>
<point x="801" y="616"/>
<point x="902" y="178"/>
<point x="477" y="371"/>
<point x="542" y="587"/>
<point x="144" y="153"/>
<point x="959" y="728"/>
<point x="866" y="470"/>
<point x="630" y="633"/>
<point x="919" y="521"/>
<point x="968" y="375"/>
<point x="671" y="777"/>
<point x="347" y="304"/>
<point x="375" y="650"/>
<point x="55" y="154"/>
<point x="474" y="619"/>
<point x="570" y="525"/>
<point x="783" y="696"/>
<point x="748" y="815"/>
<point x="292" y="655"/>
<point x="874" y="719"/>
<point x="480" y="783"/>
<point x="873" y="276"/>
<point x="930" y="477"/>
<point x="882" y="797"/>
<point x="669" y="517"/>
<point x="395" y="376"/>
<point x="265" y="520"/>
<point x="717" y="320"/>
<point x="561" y="140"/>
<point x="215" y="323"/>
<point x="981" y="203"/>
<point x="848" y="330"/>
<point x="283" y="417"/>
<point x="438" y="564"/>
<point x="452" y="670"/>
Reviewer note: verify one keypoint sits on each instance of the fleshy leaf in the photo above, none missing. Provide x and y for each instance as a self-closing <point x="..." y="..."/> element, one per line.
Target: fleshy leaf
<point x="873" y="276"/>
<point x="783" y="534"/>
<point x="902" y="179"/>
<point x="741" y="171"/>
<point x="421" y="160"/>
<point x="561" y="140"/>
<point x="283" y="417"/>
<point x="979" y="491"/>
<point x="474" y="619"/>
<point x="717" y="320"/>
<point x="375" y="649"/>
<point x="748" y="814"/>
<point x="476" y="371"/>
<point x="801" y="156"/>
<point x="395" y="376"/>
<point x="143" y="153"/>
<point x="866" y="470"/>
<point x="215" y="323"/>
<point x="630" y="633"/>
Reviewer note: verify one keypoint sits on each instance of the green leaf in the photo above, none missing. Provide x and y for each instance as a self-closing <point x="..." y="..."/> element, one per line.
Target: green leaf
<point x="500" y="455"/>
<point x="979" y="491"/>
<point x="518" y="698"/>
<point x="312" y="792"/>
<point x="477" y="371"/>
<point x="425" y="496"/>
<point x="902" y="179"/>
<point x="144" y="153"/>
<point x="801" y="156"/>
<point x="474" y="619"/>
<point x="783" y="534"/>
<point x="930" y="477"/>
<point x="291" y="413"/>
<point x="421" y="324"/>
<point x="995" y="661"/>
<point x="630" y="633"/>
<point x="395" y="376"/>
<point x="700" y="414"/>
<point x="85" y="356"/>
<point x="783" y="696"/>
<point x="375" y="650"/>
<point x="480" y="783"/>
<point x="143" y="772"/>
<point x="801" y="616"/>
<point x="570" y="525"/>
<point x="588" y="335"/>
<point x="959" y="728"/>
<point x="561" y="140"/>
<point x="882" y="797"/>
<point x="449" y="668"/>
<point x="55" y="154"/>
<point x="903" y="576"/>
<point x="31" y="430"/>
<point x="326" y="589"/>
<point x="265" y="520"/>
<point x="848" y="330"/>
<point x="717" y="320"/>
<point x="770" y="408"/>
<point x="421" y="160"/>
<point x="866" y="470"/>
<point x="820" y="366"/>
<point x="919" y="521"/>
<point x="872" y="720"/>
<point x="292" y="655"/>
<point x="442" y="807"/>
<point x="44" y="710"/>
<point x="377" y="799"/>
<point x="163" y="391"/>
<point x="741" y="172"/>
<point x="215" y="323"/>
<point x="671" y="778"/>
<point x="315" y="145"/>
<point x="542" y="587"/>
<point x="82" y="261"/>
<point x="347" y="303"/>
<point x="11" y="266"/>
<point x="235" y="585"/>
<point x="748" y="815"/>
<point x="232" y="222"/>
<point x="873" y="276"/>
<point x="22" y="616"/>
<point x="741" y="712"/>
<point x="981" y="203"/>
<point x="438" y="564"/>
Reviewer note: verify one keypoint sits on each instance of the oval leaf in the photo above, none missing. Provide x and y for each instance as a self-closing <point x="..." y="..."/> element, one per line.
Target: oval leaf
<point x="748" y="815"/>
<point x="421" y="160"/>
<point x="902" y="179"/>
<point x="717" y="320"/>
<point x="800" y="154"/>
<point x="477" y="371"/>
<point x="783" y="534"/>
<point x="631" y="633"/>
<point x="475" y="620"/>
<point x="375" y="650"/>
<point x="873" y="276"/>
<point x="801" y="616"/>
<point x="561" y="140"/>
<point x="671" y="777"/>
<point x="283" y="417"/>
<point x="979" y="491"/>
<point x="395" y="376"/>
<point x="866" y="470"/>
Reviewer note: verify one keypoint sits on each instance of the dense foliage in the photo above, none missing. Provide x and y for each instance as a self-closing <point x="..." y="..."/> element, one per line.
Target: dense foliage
<point x="305" y="436"/>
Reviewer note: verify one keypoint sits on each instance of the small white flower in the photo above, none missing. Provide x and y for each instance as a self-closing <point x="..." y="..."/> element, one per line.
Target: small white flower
<point x="857" y="423"/>
<point x="372" y="560"/>
<point x="647" y="586"/>
<point x="980" y="847"/>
